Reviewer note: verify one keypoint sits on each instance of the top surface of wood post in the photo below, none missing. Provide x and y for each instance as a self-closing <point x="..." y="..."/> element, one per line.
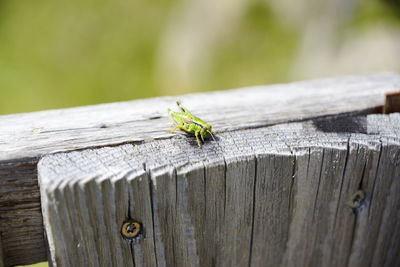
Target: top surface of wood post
<point x="37" y="133"/>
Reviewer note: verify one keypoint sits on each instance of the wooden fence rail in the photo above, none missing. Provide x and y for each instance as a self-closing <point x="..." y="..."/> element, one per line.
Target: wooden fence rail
<point x="303" y="174"/>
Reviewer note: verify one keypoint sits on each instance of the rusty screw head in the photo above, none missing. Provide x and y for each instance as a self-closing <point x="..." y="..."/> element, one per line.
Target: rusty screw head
<point x="132" y="230"/>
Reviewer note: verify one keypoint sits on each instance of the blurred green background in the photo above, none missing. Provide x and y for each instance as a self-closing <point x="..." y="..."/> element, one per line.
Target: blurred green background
<point x="56" y="54"/>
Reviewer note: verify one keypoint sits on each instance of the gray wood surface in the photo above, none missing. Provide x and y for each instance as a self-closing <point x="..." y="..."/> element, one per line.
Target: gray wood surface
<point x="32" y="134"/>
<point x="271" y="196"/>
<point x="24" y="138"/>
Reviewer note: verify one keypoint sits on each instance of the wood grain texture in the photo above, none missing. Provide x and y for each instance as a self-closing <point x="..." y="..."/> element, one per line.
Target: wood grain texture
<point x="24" y="138"/>
<point x="271" y="196"/>
<point x="21" y="225"/>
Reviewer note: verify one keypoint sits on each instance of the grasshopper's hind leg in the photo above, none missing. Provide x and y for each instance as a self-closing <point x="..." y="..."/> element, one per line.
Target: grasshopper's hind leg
<point x="176" y="128"/>
<point x="182" y="107"/>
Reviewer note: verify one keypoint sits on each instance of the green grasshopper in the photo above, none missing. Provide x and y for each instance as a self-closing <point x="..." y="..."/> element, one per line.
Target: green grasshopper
<point x="187" y="122"/>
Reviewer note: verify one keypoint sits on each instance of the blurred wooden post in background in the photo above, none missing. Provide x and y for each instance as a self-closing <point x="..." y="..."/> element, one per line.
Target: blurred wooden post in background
<point x="303" y="174"/>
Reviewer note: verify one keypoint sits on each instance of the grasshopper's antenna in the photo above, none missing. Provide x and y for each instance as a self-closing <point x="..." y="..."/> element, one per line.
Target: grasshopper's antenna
<point x="212" y="136"/>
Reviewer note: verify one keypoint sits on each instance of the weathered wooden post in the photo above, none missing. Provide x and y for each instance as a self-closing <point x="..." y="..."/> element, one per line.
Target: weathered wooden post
<point x="303" y="174"/>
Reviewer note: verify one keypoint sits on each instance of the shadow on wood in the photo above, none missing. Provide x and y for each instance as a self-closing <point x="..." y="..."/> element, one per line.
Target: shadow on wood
<point x="350" y="124"/>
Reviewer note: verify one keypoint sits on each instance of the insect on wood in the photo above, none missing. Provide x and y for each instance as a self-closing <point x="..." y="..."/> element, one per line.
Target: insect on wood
<point x="187" y="122"/>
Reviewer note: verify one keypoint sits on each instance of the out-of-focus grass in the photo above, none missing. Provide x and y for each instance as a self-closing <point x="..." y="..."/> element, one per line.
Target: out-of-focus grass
<point x="372" y="11"/>
<point x="66" y="53"/>
<point x="259" y="52"/>
<point x="56" y="54"/>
